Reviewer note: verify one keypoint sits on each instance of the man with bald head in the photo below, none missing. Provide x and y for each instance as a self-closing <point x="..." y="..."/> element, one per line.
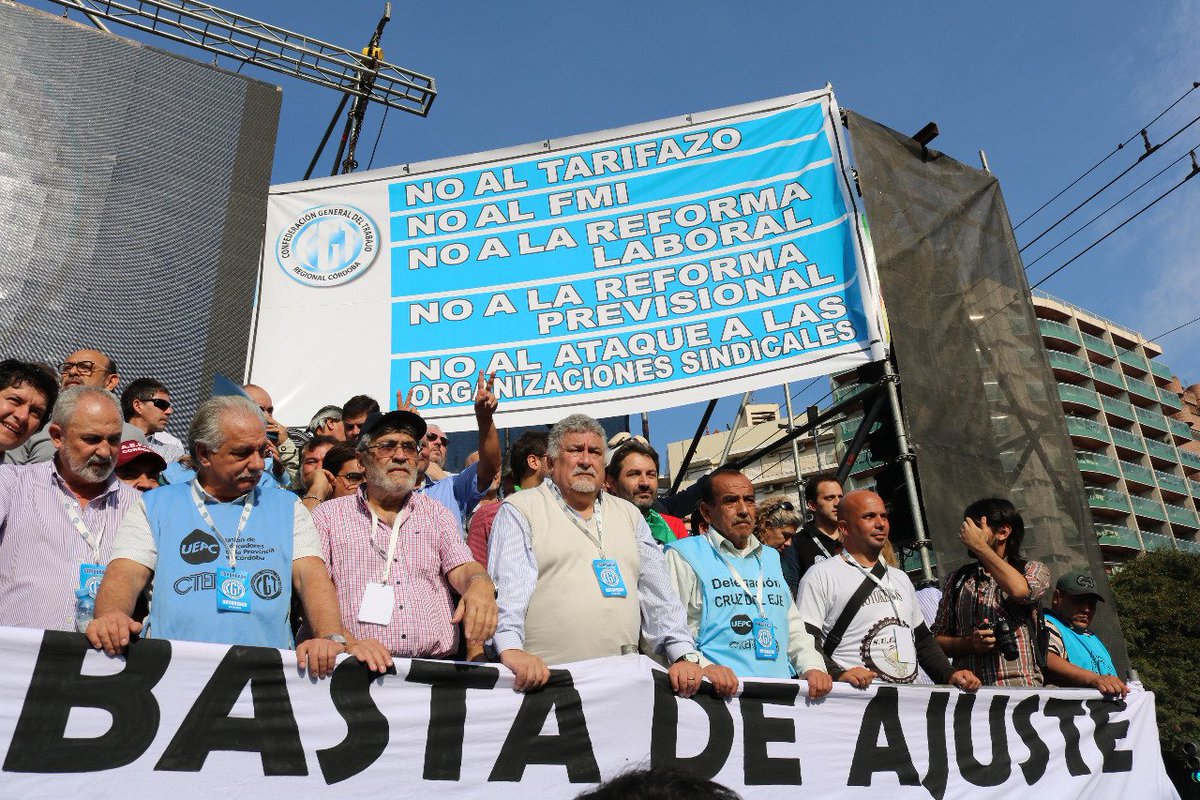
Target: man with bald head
<point x="864" y="614"/>
<point x="58" y="518"/>
<point x="224" y="554"/>
<point x="85" y="367"/>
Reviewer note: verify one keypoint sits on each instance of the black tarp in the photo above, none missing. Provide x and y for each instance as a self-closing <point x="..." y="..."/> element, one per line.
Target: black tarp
<point x="980" y="401"/>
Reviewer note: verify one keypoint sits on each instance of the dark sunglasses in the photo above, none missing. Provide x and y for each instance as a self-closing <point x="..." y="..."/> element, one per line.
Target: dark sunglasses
<point x="787" y="506"/>
<point x="433" y="437"/>
<point x="159" y="403"/>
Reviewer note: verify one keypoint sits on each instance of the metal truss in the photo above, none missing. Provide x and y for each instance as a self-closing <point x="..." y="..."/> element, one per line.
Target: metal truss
<point x="224" y="33"/>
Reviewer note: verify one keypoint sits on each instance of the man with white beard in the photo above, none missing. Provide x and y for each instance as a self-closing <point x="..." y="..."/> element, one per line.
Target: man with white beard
<point x="394" y="554"/>
<point x="58" y="518"/>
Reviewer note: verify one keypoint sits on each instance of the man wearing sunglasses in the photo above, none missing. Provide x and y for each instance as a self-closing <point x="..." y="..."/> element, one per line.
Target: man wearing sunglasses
<point x="82" y="368"/>
<point x="146" y="405"/>
<point x="395" y="554"/>
<point x="225" y="555"/>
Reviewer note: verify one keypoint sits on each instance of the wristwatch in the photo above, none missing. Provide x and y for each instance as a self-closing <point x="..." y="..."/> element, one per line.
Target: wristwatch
<point x="692" y="657"/>
<point x="337" y="638"/>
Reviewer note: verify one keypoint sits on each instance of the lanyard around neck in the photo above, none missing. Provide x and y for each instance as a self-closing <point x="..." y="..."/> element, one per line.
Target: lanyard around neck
<point x="75" y="514"/>
<point x="573" y="515"/>
<point x="401" y="515"/>
<point x="757" y="598"/>
<point x="247" y="507"/>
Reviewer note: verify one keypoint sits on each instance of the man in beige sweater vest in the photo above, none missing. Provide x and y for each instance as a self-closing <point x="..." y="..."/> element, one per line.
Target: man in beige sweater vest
<point x="578" y="574"/>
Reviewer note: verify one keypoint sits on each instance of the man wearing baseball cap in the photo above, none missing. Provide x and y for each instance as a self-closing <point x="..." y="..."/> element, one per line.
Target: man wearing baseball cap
<point x="1077" y="657"/>
<point x="139" y="466"/>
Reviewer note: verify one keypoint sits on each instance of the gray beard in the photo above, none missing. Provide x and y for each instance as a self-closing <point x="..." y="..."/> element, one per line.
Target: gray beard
<point x="583" y="484"/>
<point x="90" y="472"/>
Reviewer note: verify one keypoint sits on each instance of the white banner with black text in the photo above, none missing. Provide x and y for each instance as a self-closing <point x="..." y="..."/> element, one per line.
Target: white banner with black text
<point x="180" y="719"/>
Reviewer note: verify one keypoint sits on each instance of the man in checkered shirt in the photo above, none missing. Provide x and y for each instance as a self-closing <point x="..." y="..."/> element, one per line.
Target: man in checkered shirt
<point x="395" y="554"/>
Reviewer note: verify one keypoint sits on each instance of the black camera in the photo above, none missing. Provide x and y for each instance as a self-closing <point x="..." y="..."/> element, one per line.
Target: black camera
<point x="1006" y="639"/>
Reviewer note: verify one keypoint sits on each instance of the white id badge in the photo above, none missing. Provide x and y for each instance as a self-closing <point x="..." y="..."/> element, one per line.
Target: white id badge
<point x="906" y="649"/>
<point x="377" y="603"/>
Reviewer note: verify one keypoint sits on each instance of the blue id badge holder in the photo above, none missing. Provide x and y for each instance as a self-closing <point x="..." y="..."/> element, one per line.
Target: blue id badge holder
<point x="765" y="646"/>
<point x="90" y="576"/>
<point x="608" y="575"/>
<point x="233" y="590"/>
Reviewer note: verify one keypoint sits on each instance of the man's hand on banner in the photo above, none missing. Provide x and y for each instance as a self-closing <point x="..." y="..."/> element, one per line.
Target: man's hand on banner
<point x="820" y="683"/>
<point x="318" y="656"/>
<point x="723" y="679"/>
<point x="858" y="677"/>
<point x="372" y="653"/>
<point x="477" y="610"/>
<point x="530" y="671"/>
<point x="965" y="680"/>
<point x="111" y="632"/>
<point x="685" y="677"/>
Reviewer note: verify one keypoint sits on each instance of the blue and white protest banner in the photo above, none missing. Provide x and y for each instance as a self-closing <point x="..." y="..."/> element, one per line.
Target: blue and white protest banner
<point x="628" y="270"/>
<point x="180" y="719"/>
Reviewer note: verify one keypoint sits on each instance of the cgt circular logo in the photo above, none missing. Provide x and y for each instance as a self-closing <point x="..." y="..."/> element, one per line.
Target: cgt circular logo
<point x="328" y="245"/>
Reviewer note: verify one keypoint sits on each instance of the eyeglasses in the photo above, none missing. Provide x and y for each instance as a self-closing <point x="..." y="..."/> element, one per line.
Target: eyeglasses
<point x="159" y="403"/>
<point x="84" y="368"/>
<point x="433" y="437"/>
<point x="353" y="478"/>
<point x="386" y="449"/>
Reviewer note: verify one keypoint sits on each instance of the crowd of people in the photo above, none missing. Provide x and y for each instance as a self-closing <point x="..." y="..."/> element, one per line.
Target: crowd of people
<point x="358" y="540"/>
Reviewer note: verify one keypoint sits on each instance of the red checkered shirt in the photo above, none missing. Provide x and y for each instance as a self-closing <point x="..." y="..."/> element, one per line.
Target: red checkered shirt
<point x="428" y="547"/>
<point x="979" y="597"/>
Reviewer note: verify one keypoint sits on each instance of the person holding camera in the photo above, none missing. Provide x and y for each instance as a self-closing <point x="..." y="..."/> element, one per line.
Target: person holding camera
<point x="989" y="619"/>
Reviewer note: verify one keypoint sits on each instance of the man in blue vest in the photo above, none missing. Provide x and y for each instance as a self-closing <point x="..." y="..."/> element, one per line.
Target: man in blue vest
<point x="225" y="554"/>
<point x="738" y="604"/>
<point x="1076" y="656"/>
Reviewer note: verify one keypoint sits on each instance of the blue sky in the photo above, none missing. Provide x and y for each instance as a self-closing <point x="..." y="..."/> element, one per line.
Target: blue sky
<point x="1046" y="89"/>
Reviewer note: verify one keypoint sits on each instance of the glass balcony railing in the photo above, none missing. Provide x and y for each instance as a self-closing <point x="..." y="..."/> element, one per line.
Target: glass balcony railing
<point x="1078" y="396"/>
<point x="1135" y="473"/>
<point x="1096" y="463"/>
<point x="1195" y="487"/>
<point x="1068" y="362"/>
<point x="1124" y="440"/>
<point x="1160" y="370"/>
<point x="1148" y="509"/>
<point x="1171" y="484"/>
<point x="1190" y="460"/>
<point x="1188" y="546"/>
<point x="1059" y="332"/>
<point x="1095" y="344"/>
<point x="1152" y="419"/>
<point x="1107" y="376"/>
<point x="1134" y="360"/>
<point x="1117" y="536"/>
<point x="1163" y="451"/>
<point x="1183" y="517"/>
<point x="1086" y="428"/>
<point x="1180" y="429"/>
<point x="1169" y="400"/>
<point x="1107" y="499"/>
<point x="1115" y="407"/>
<point x="1142" y="389"/>
<point x="849" y="390"/>
<point x="1156" y="541"/>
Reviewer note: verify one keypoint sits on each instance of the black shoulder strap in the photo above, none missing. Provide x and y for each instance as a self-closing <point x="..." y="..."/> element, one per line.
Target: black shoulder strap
<point x="834" y="637"/>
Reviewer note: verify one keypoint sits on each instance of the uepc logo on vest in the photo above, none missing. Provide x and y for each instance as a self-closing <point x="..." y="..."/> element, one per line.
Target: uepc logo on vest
<point x="741" y="624"/>
<point x="199" y="547"/>
<point x="328" y="245"/>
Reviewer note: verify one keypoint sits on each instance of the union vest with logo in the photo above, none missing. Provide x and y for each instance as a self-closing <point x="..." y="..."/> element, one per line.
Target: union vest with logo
<point x="1083" y="649"/>
<point x="189" y="555"/>
<point x="726" y="635"/>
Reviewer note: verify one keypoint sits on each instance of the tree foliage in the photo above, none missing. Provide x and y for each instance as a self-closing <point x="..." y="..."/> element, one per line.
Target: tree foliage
<point x="1158" y="599"/>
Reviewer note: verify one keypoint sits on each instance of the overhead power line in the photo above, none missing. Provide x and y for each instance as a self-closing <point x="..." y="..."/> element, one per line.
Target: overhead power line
<point x="1150" y="150"/>
<point x="1191" y="174"/>
<point x="1117" y="149"/>
<point x="1175" y="329"/>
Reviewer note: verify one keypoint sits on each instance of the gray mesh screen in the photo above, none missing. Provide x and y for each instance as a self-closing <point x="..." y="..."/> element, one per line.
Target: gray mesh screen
<point x="133" y="190"/>
<point x="980" y="401"/>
